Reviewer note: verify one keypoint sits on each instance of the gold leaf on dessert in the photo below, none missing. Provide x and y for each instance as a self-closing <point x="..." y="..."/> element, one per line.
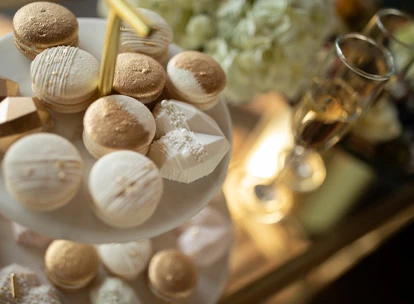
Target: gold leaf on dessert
<point x="8" y="88"/>
<point x="20" y="116"/>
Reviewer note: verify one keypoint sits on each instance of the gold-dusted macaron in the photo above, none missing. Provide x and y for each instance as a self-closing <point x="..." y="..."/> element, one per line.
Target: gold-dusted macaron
<point x="117" y="122"/>
<point x="41" y="25"/>
<point x="172" y="275"/>
<point x="139" y="76"/>
<point x="195" y="78"/>
<point x="71" y="266"/>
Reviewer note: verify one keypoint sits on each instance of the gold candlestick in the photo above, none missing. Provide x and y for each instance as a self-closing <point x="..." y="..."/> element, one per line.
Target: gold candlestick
<point x="109" y="54"/>
<point x="120" y="10"/>
<point x="131" y="15"/>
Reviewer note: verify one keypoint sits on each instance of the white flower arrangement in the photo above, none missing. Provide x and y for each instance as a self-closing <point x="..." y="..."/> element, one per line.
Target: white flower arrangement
<point x="263" y="45"/>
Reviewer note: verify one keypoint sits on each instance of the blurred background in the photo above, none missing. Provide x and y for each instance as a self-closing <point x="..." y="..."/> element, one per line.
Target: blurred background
<point x="350" y="241"/>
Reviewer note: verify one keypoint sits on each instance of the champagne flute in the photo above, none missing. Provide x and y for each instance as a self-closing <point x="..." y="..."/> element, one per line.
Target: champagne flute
<point x="352" y="76"/>
<point x="394" y="29"/>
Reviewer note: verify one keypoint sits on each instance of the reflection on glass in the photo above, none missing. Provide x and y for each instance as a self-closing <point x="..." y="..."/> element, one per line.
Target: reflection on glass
<point x="395" y="30"/>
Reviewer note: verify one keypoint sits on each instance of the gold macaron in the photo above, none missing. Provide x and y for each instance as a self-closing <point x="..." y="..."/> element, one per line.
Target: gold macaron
<point x="117" y="122"/>
<point x="139" y="76"/>
<point x="71" y="266"/>
<point x="172" y="275"/>
<point x="41" y="25"/>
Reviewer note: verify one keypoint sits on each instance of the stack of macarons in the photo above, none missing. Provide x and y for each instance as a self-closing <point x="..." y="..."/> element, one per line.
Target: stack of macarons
<point x="134" y="148"/>
<point x="72" y="267"/>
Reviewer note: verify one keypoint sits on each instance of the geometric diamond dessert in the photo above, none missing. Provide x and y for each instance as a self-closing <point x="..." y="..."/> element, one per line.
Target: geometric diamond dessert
<point x="8" y="88"/>
<point x="20" y="116"/>
<point x="173" y="115"/>
<point x="184" y="156"/>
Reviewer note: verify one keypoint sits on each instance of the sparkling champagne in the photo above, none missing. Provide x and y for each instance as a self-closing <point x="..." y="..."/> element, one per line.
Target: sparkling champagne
<point x="324" y="115"/>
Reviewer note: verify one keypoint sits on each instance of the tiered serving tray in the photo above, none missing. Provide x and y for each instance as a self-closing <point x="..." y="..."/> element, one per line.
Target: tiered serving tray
<point x="210" y="286"/>
<point x="76" y="221"/>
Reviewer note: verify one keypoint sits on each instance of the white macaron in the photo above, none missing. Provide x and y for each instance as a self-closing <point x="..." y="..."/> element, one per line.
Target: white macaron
<point x="126" y="188"/>
<point x="126" y="260"/>
<point x="43" y="171"/>
<point x="65" y="78"/>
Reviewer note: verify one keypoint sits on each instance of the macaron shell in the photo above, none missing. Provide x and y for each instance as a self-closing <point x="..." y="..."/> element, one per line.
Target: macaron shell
<point x="42" y="25"/>
<point x="118" y="122"/>
<point x="65" y="75"/>
<point x="126" y="260"/>
<point x="43" y="171"/>
<point x="196" y="75"/>
<point x="126" y="188"/>
<point x="155" y="45"/>
<point x="71" y="265"/>
<point x="139" y="76"/>
<point x="113" y="289"/>
<point x="172" y="263"/>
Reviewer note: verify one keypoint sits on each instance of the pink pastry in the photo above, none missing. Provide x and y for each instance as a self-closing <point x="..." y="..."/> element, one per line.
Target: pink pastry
<point x="27" y="288"/>
<point x="206" y="238"/>
<point x="25" y="236"/>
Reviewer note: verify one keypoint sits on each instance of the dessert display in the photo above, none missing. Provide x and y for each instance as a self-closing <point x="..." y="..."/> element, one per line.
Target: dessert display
<point x="42" y="171"/>
<point x="65" y="79"/>
<point x="172" y="275"/>
<point x="20" y="116"/>
<point x="139" y="76"/>
<point x="41" y="25"/>
<point x="21" y="285"/>
<point x="117" y="122"/>
<point x="68" y="104"/>
<point x="206" y="238"/>
<point x="195" y="78"/>
<point x="155" y="45"/>
<point x="126" y="188"/>
<point x="25" y="236"/>
<point x="108" y="171"/>
<point x="71" y="266"/>
<point x="126" y="260"/>
<point x="113" y="291"/>
<point x="8" y="88"/>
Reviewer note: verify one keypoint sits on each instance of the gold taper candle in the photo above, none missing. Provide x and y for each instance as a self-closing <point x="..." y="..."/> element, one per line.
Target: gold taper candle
<point x="110" y="53"/>
<point x="131" y="15"/>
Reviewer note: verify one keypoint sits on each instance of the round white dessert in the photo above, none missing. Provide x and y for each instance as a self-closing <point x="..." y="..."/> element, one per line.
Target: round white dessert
<point x="126" y="188"/>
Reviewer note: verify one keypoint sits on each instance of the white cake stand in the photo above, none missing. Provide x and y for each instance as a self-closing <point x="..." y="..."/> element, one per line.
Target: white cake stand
<point x="210" y="286"/>
<point x="76" y="221"/>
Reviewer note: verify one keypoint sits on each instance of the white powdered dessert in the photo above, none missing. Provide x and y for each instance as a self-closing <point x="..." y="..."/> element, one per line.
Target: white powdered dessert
<point x="26" y="285"/>
<point x="113" y="291"/>
<point x="126" y="260"/>
<point x="173" y="115"/>
<point x="184" y="156"/>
